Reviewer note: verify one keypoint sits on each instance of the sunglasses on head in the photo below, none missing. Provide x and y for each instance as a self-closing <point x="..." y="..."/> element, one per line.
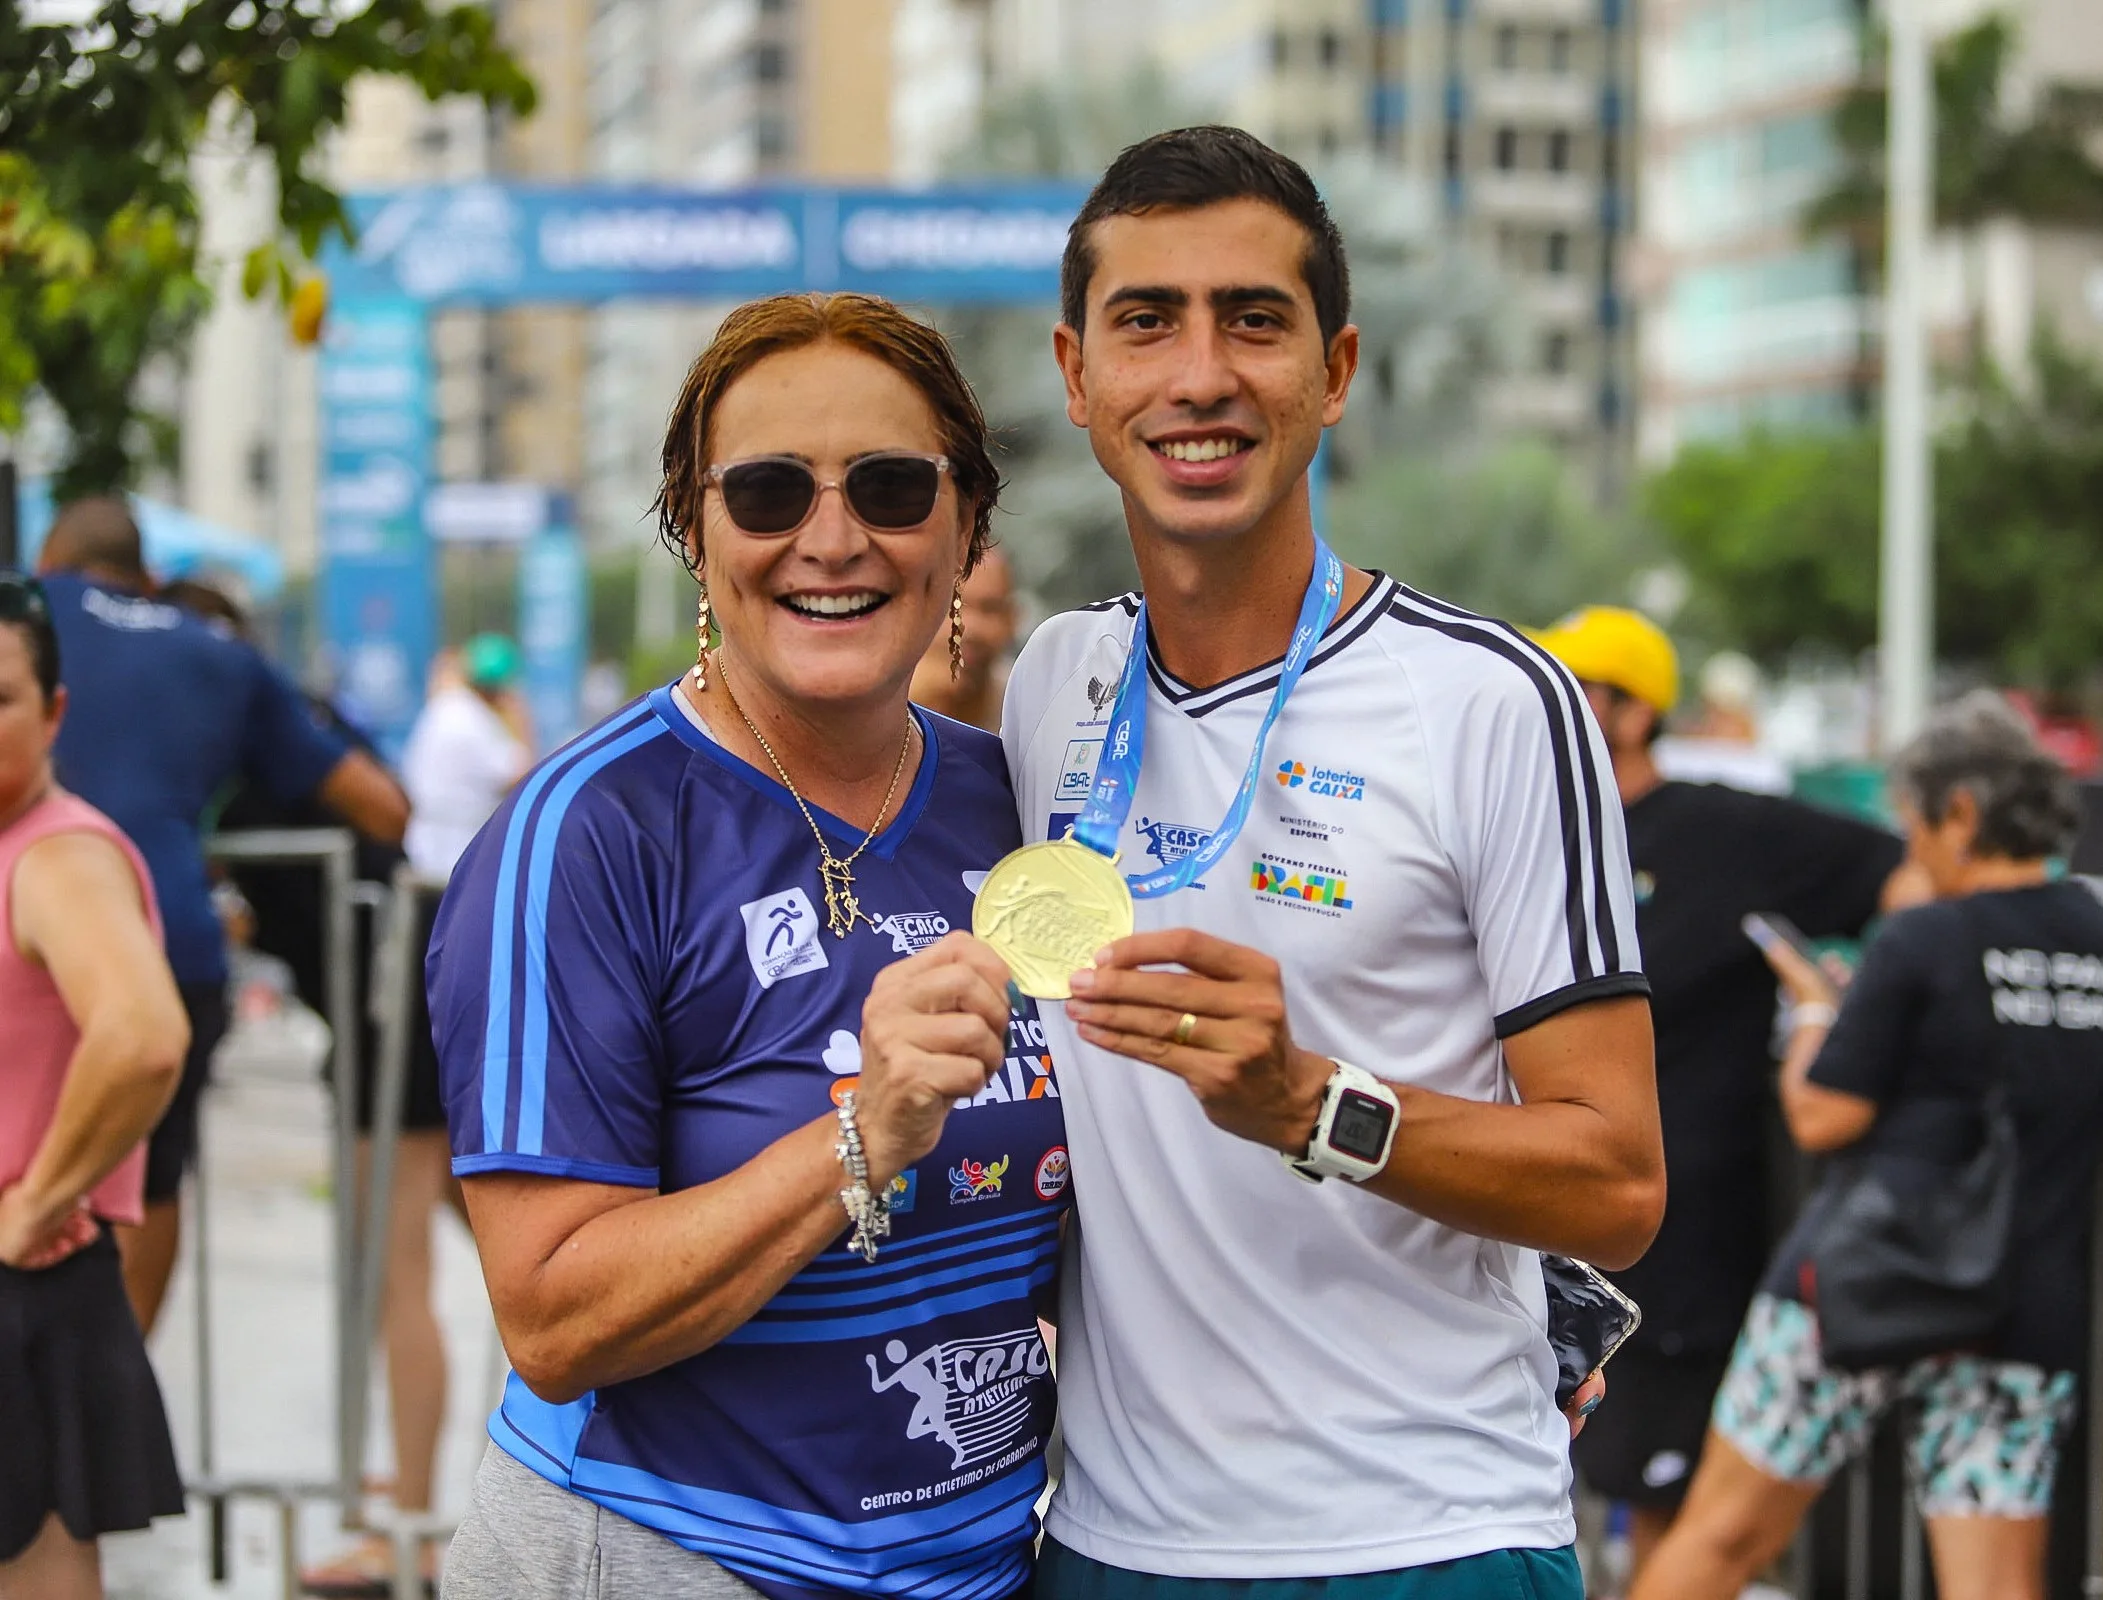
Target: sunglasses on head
<point x="22" y="599"/>
<point x="890" y="490"/>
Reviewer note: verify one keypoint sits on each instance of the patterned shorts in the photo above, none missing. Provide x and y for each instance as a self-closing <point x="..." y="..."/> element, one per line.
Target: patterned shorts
<point x="1982" y="1436"/>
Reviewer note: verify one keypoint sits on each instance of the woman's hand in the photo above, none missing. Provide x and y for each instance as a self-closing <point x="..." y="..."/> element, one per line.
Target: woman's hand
<point x="1587" y="1400"/>
<point x="934" y="1031"/>
<point x="1807" y="983"/>
<point x="31" y="1239"/>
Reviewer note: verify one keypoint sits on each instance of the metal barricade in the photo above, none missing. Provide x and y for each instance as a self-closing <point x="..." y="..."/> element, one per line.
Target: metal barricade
<point x="333" y="852"/>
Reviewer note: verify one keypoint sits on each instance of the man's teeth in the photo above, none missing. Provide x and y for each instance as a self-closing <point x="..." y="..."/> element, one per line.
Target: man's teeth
<point x="1201" y="449"/>
<point x="835" y="605"/>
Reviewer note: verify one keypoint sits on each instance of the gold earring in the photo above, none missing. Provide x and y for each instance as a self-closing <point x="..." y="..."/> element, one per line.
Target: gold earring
<point x="956" y="630"/>
<point x="700" y="672"/>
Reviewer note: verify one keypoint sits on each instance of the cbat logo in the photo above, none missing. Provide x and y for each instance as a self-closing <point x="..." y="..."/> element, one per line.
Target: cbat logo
<point x="1053" y="1173"/>
<point x="781" y="936"/>
<point x="913" y="930"/>
<point x="1079" y="769"/>
<point x="1170" y="842"/>
<point x="972" y="1395"/>
<point x="1332" y="783"/>
<point x="976" y="1180"/>
<point x="1294" y="882"/>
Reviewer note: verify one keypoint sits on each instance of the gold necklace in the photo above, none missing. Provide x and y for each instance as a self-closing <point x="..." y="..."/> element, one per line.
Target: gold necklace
<point x="842" y="909"/>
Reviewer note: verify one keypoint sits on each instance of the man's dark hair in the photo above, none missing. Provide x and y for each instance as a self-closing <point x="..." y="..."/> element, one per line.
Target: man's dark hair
<point x="1208" y="166"/>
<point x="97" y="533"/>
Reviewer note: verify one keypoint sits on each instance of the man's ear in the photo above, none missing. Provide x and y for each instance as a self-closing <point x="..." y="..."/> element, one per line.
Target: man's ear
<point x="1342" y="365"/>
<point x="1066" y="350"/>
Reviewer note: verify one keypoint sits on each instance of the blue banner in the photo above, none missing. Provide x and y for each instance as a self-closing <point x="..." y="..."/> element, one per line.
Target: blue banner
<point x="505" y="244"/>
<point x="551" y="632"/>
<point x="378" y="611"/>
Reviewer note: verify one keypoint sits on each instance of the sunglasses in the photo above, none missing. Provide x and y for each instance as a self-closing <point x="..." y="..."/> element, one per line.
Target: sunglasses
<point x="22" y="599"/>
<point x="890" y="491"/>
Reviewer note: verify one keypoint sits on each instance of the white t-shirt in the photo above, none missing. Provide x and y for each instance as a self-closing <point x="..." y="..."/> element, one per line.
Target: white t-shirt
<point x="1260" y="1377"/>
<point x="460" y="762"/>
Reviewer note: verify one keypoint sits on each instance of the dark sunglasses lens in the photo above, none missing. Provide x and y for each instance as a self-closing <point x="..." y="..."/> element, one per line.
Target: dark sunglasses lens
<point x="893" y="491"/>
<point x="768" y="496"/>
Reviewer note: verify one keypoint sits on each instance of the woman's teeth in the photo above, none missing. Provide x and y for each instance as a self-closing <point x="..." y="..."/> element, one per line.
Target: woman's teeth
<point x="1201" y="449"/>
<point x="834" y="605"/>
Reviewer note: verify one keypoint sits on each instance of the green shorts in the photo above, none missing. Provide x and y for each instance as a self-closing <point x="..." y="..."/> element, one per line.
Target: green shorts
<point x="1498" y="1575"/>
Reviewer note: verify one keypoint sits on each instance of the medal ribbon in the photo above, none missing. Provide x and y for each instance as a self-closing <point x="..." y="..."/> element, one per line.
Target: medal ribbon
<point x="1102" y="819"/>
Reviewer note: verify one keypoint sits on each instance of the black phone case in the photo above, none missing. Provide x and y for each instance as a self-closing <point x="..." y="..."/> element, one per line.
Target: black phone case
<point x="1588" y="1320"/>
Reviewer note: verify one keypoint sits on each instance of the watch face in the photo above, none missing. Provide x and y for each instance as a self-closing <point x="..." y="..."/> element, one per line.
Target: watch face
<point x="1360" y="1126"/>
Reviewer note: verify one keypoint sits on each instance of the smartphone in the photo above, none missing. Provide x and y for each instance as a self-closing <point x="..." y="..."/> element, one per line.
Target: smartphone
<point x="1769" y="929"/>
<point x="1588" y="1320"/>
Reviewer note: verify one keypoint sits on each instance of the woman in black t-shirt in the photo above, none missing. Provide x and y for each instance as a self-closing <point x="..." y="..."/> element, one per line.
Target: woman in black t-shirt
<point x="1999" y="980"/>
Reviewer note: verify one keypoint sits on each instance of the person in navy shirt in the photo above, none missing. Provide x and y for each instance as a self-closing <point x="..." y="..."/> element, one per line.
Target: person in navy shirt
<point x="701" y="955"/>
<point x="166" y="711"/>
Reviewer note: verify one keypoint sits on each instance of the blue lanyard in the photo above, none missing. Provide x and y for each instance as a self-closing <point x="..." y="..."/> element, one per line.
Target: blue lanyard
<point x="1102" y="819"/>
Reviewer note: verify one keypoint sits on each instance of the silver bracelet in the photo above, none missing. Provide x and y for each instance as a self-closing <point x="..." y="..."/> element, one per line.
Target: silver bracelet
<point x="1810" y="1014"/>
<point x="870" y="1213"/>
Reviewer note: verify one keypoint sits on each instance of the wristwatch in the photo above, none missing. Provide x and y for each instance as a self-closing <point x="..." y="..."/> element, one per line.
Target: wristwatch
<point x="1354" y="1131"/>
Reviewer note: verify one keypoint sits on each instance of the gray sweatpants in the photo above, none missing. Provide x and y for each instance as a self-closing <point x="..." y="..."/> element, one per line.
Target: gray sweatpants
<point x="525" y="1539"/>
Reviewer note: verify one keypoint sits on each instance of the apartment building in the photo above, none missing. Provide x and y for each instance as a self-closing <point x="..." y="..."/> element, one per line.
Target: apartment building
<point x="1518" y="116"/>
<point x="1748" y="322"/>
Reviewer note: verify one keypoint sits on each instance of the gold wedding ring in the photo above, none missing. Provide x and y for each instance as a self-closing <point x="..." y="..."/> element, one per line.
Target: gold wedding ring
<point x="1186" y="1028"/>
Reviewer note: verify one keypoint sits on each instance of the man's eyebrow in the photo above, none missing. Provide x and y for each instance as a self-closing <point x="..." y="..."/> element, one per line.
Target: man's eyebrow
<point x="1251" y="295"/>
<point x="1146" y="294"/>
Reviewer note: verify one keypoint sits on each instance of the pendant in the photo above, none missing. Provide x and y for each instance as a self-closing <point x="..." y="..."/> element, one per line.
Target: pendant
<point x="1047" y="908"/>
<point x="842" y="909"/>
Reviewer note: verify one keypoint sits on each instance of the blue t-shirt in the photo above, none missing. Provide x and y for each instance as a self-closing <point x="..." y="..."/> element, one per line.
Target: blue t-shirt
<point x="631" y="982"/>
<point x="163" y="710"/>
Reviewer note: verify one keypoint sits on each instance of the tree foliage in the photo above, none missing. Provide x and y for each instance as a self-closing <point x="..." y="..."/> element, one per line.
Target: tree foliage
<point x="1990" y="161"/>
<point x="99" y="216"/>
<point x="1779" y="534"/>
<point x="1507" y="533"/>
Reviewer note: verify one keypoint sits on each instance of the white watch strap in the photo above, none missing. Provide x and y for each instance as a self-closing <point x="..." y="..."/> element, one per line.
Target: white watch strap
<point x="1323" y="1157"/>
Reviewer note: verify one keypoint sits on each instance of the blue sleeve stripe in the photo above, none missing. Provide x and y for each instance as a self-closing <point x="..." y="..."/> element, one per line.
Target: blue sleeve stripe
<point x="907" y="1255"/>
<point x="687" y="1512"/>
<point x="555" y="1167"/>
<point x="533" y="1042"/>
<point x="788" y="1301"/>
<point x="496" y="1034"/>
<point x="825" y="1330"/>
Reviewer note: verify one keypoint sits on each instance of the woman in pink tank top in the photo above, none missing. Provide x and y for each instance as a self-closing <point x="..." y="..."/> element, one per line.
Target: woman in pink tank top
<point x="92" y="1034"/>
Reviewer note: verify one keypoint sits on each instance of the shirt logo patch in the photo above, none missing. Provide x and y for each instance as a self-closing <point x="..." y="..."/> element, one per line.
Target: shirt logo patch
<point x="1078" y="773"/>
<point x="913" y="930"/>
<point x="1025" y="1075"/>
<point x="781" y="936"/>
<point x="973" y="1181"/>
<point x="1331" y="783"/>
<point x="1170" y="842"/>
<point x="1060" y="823"/>
<point x="972" y="1395"/>
<point x="1321" y="888"/>
<point x="903" y="1191"/>
<point x="1053" y="1173"/>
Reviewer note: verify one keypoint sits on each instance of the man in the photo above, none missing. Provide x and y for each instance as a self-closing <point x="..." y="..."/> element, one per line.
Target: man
<point x="1704" y="857"/>
<point x="165" y="709"/>
<point x="1263" y="1379"/>
<point x="464" y="754"/>
<point x="972" y="693"/>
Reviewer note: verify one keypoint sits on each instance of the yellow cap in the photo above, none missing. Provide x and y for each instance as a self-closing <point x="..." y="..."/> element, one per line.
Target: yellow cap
<point x="1620" y="648"/>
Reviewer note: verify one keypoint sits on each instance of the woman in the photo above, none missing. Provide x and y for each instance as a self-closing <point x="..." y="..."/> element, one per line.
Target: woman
<point x="1999" y="981"/>
<point x="700" y="1013"/>
<point x="92" y="1036"/>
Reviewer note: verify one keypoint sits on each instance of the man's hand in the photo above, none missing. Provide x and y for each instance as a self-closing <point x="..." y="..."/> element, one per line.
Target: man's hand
<point x="31" y="1240"/>
<point x="1235" y="1052"/>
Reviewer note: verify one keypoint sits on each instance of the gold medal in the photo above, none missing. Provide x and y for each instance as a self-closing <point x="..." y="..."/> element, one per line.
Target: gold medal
<point x="1047" y="908"/>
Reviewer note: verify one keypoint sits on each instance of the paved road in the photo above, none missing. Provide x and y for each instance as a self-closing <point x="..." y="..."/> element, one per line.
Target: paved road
<point x="267" y="1143"/>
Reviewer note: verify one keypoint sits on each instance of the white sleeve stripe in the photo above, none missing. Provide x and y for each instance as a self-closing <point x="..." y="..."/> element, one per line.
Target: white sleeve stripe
<point x="1595" y="945"/>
